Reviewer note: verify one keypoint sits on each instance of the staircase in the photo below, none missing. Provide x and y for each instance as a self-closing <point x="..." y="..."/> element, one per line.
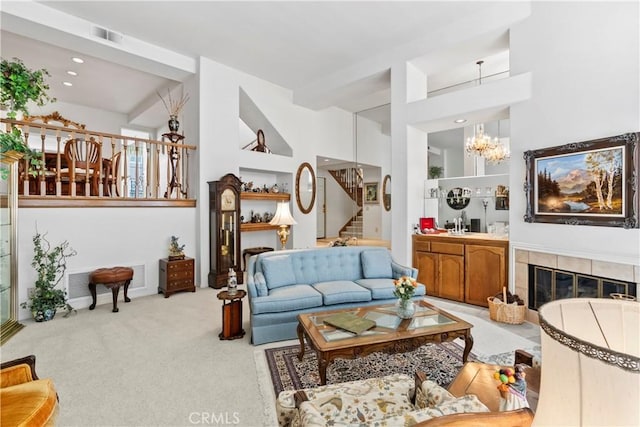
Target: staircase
<point x="350" y="180"/>
<point x="353" y="228"/>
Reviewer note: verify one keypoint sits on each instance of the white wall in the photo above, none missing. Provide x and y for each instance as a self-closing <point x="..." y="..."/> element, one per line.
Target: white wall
<point x="326" y="133"/>
<point x="105" y="237"/>
<point x="584" y="57"/>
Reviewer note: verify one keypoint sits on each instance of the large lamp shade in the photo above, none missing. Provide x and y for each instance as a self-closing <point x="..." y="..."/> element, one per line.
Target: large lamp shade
<point x="590" y="363"/>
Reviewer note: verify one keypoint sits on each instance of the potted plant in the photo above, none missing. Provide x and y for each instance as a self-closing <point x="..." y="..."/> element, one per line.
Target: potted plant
<point x="50" y="263"/>
<point x="435" y="172"/>
<point x="18" y="86"/>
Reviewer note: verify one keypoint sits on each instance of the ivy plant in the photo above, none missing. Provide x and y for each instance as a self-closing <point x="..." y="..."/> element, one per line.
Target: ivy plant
<point x="50" y="264"/>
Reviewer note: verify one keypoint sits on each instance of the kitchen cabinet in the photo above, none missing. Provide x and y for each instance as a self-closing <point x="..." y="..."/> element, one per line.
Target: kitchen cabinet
<point x="486" y="272"/>
<point x="467" y="268"/>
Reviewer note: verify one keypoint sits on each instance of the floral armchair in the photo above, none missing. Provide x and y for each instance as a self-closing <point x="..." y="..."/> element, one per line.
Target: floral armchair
<point x="395" y="400"/>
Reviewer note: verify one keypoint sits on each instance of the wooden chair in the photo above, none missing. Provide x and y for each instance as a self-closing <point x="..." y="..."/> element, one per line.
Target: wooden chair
<point x="83" y="161"/>
<point x="112" y="174"/>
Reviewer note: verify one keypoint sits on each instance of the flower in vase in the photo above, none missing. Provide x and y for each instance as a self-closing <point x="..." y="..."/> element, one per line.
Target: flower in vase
<point x="405" y="287"/>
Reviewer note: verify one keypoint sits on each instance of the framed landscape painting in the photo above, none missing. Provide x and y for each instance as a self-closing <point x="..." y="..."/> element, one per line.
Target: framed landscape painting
<point x="585" y="183"/>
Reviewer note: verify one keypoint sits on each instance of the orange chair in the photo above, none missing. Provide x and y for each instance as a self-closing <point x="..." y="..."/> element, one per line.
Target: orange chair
<point x="26" y="400"/>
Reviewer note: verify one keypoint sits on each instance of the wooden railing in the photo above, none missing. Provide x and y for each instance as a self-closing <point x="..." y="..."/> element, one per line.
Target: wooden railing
<point x="123" y="168"/>
<point x="350" y="179"/>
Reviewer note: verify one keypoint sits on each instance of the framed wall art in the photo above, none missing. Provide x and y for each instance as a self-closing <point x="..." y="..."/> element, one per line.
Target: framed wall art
<point x="585" y="183"/>
<point x="371" y="192"/>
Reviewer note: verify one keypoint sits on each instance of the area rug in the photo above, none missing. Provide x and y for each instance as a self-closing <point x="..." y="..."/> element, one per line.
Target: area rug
<point x="441" y="363"/>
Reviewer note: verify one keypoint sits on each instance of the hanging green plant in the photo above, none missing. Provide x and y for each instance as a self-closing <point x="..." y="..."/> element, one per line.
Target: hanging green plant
<point x="19" y="85"/>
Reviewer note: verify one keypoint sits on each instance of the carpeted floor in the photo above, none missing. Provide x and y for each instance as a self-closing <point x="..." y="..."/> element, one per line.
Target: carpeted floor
<point x="441" y="363"/>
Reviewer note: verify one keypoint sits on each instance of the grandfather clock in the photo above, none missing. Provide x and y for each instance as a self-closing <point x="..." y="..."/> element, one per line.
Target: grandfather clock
<point x="224" y="230"/>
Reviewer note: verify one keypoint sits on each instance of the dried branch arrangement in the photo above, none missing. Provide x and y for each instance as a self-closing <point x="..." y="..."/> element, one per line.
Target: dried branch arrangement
<point x="174" y="106"/>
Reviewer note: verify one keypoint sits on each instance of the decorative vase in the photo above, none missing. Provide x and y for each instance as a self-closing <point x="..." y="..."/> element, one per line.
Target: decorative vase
<point x="43" y="315"/>
<point x="406" y="308"/>
<point x="173" y="123"/>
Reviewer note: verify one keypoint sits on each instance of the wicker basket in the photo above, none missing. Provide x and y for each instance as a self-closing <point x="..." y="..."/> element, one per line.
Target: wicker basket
<point x="506" y="313"/>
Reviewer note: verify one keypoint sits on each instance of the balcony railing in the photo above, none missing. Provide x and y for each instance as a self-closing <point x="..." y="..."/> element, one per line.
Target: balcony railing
<point x="96" y="167"/>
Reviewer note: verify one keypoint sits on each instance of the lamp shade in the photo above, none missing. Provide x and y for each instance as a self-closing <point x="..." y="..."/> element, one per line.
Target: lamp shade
<point x="282" y="216"/>
<point x="590" y="363"/>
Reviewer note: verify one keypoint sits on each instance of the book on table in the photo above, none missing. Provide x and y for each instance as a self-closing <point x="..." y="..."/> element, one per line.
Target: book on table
<point x="350" y="322"/>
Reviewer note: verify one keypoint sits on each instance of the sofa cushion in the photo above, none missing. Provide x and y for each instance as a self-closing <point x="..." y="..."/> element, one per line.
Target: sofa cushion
<point x="342" y="291"/>
<point x="459" y="405"/>
<point x="261" y="284"/>
<point x="376" y="264"/>
<point x="33" y="403"/>
<point x="351" y="403"/>
<point x="287" y="298"/>
<point x="379" y="288"/>
<point x="278" y="271"/>
<point x="383" y="288"/>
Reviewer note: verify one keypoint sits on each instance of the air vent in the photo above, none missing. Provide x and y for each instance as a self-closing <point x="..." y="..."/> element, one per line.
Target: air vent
<point x="108" y="35"/>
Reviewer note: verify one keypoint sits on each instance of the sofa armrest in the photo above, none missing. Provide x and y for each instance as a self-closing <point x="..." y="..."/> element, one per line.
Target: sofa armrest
<point x="18" y="371"/>
<point x="518" y="418"/>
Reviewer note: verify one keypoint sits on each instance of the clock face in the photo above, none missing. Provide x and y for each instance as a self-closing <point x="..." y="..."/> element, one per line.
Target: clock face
<point x="228" y="200"/>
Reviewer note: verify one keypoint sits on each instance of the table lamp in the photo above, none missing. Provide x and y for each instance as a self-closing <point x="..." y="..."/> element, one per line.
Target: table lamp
<point x="590" y="371"/>
<point x="283" y="219"/>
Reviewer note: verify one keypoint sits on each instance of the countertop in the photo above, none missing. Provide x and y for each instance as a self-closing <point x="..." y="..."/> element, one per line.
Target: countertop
<point x="465" y="236"/>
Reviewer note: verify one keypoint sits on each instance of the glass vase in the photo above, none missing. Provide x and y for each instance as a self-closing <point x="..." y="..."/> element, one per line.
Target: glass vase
<point x="406" y="308"/>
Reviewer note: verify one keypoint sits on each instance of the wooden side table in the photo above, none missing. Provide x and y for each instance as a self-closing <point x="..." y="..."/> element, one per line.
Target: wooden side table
<point x="176" y="275"/>
<point x="231" y="315"/>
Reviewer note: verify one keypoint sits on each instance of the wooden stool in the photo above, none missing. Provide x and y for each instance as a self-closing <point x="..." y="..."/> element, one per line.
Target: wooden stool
<point x="253" y="251"/>
<point x="112" y="278"/>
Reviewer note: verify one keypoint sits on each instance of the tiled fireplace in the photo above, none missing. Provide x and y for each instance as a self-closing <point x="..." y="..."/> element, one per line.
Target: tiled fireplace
<point x="525" y="259"/>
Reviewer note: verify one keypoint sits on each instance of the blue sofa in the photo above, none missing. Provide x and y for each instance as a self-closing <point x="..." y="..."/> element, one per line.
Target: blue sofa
<point x="283" y="284"/>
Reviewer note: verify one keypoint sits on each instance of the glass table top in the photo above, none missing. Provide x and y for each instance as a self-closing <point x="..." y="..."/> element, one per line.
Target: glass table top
<point x="386" y="319"/>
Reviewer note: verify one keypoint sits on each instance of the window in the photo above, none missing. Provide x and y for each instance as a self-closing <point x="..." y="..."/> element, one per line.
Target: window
<point x="136" y="162"/>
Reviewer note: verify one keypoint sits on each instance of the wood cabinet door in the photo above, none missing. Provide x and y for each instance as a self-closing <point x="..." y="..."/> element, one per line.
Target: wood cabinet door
<point x="427" y="265"/>
<point x="486" y="273"/>
<point x="451" y="276"/>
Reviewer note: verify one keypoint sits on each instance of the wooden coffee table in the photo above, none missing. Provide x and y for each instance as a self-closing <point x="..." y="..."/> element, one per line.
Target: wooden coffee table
<point x="391" y="334"/>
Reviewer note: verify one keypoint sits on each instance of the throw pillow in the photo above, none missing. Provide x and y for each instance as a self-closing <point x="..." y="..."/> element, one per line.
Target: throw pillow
<point x="278" y="271"/>
<point x="261" y="284"/>
<point x="430" y="394"/>
<point x="376" y="264"/>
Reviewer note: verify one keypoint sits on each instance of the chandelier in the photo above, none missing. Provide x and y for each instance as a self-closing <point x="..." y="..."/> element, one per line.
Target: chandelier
<point x="483" y="145"/>
<point x="496" y="153"/>
<point x="480" y="143"/>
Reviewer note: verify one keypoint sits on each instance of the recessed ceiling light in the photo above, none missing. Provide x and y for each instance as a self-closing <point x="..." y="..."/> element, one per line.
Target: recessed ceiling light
<point x="326" y="160"/>
<point x="67" y="83"/>
<point x="459" y="120"/>
<point x="77" y="60"/>
<point x="72" y="73"/>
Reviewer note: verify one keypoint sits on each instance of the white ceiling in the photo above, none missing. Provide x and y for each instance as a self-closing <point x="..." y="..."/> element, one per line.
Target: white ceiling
<point x="288" y="43"/>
